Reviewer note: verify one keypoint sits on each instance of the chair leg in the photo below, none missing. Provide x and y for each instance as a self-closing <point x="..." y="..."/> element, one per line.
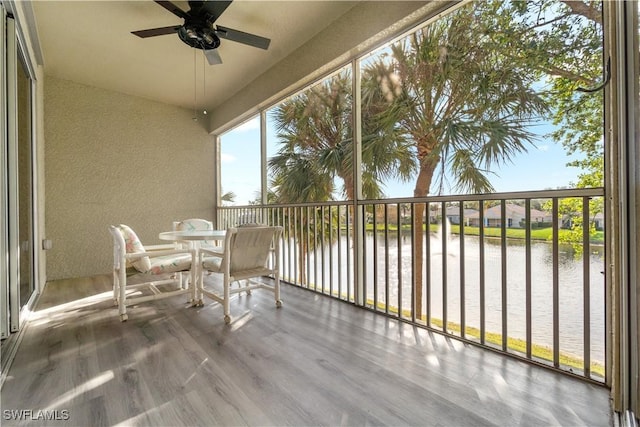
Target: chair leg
<point x="276" y="291"/>
<point x="122" y="306"/>
<point x="225" y="301"/>
<point x="116" y="286"/>
<point x="247" y="283"/>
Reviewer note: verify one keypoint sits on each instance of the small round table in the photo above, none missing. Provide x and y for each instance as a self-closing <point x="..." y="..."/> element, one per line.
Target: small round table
<point x="192" y="235"/>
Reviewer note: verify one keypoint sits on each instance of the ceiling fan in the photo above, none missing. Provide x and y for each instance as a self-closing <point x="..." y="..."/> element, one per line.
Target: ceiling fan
<point x="198" y="30"/>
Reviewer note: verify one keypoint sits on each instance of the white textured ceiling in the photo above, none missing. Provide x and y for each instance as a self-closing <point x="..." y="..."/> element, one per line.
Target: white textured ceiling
<point x="90" y="42"/>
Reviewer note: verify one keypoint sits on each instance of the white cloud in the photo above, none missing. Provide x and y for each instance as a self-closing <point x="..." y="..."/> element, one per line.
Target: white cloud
<point x="252" y="124"/>
<point x="227" y="158"/>
<point x="543" y="148"/>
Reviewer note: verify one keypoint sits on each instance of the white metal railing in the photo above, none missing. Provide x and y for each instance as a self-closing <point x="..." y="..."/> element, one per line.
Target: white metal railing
<point x="504" y="271"/>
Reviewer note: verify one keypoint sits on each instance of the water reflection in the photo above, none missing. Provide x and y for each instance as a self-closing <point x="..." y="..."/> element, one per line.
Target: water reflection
<point x="390" y="282"/>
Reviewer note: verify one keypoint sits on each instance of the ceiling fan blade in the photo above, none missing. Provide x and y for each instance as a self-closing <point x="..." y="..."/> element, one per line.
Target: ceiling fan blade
<point x="213" y="56"/>
<point x="173" y="9"/>
<point x="242" y="37"/>
<point x="156" y="31"/>
<point x="214" y="7"/>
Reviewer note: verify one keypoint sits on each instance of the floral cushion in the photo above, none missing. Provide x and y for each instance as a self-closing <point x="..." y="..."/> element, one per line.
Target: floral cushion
<point x="134" y="245"/>
<point x="212" y="264"/>
<point x="196" y="224"/>
<point x="170" y="264"/>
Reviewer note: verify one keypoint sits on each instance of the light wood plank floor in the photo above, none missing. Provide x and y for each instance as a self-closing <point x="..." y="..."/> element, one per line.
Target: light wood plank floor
<point x="315" y="361"/>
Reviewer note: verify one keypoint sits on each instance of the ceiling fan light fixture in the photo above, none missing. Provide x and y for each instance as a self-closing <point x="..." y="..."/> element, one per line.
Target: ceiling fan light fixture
<point x="198" y="30"/>
<point x="208" y="39"/>
<point x="191" y="33"/>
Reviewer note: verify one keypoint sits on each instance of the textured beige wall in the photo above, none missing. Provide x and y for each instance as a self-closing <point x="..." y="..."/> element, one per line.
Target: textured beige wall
<point x="113" y="158"/>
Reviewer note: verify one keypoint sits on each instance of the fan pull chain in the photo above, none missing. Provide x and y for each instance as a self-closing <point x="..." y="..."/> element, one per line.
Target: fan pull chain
<point x="195" y="89"/>
<point x="204" y="82"/>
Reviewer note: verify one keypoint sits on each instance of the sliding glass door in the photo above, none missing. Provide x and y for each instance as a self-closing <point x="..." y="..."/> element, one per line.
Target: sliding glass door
<point x="25" y="181"/>
<point x="4" y="190"/>
<point x="17" y="266"/>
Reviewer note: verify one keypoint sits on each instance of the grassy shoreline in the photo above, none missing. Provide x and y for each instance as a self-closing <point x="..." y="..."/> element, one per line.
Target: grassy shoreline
<point x="539" y="352"/>
<point x="539" y="234"/>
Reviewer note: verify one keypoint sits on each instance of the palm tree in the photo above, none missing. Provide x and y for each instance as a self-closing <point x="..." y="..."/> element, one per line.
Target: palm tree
<point x="444" y="102"/>
<point x="228" y="197"/>
<point x="315" y="130"/>
<point x="462" y="105"/>
<point x="317" y="150"/>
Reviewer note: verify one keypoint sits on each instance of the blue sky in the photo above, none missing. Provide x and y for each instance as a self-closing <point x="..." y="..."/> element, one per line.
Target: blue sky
<point x="542" y="167"/>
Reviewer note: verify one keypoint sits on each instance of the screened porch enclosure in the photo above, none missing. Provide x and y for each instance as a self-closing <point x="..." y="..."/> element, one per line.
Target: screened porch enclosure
<point x="499" y="287"/>
<point x="451" y="178"/>
<point x="467" y="187"/>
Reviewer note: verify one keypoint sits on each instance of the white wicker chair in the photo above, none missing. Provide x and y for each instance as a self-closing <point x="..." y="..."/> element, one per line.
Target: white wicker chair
<point x="249" y="253"/>
<point x="156" y="262"/>
<point x="197" y="224"/>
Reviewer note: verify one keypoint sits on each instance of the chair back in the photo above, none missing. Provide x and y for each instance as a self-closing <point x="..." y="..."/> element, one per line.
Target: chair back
<point x="119" y="247"/>
<point x="251" y="248"/>
<point x="193" y="224"/>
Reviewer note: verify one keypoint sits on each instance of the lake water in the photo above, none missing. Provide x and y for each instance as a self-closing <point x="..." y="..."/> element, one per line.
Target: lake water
<point x="570" y="273"/>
